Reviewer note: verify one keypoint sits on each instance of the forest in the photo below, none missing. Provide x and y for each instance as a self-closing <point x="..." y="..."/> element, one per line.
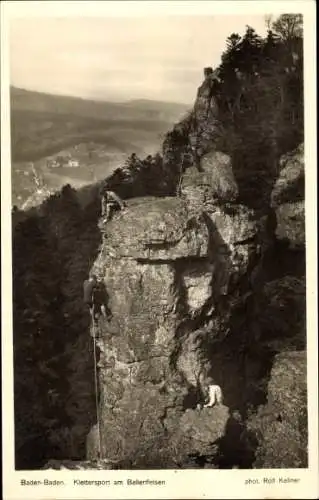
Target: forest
<point x="260" y="105"/>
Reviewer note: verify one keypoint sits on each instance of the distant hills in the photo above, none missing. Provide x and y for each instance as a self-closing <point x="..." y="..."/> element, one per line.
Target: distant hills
<point x="99" y="134"/>
<point x="42" y="124"/>
<point x="140" y="109"/>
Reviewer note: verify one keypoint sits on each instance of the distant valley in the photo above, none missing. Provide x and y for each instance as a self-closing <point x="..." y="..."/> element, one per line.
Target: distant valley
<point x="57" y="140"/>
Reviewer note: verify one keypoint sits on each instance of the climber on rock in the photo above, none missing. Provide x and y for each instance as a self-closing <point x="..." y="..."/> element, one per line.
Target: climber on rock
<point x="212" y="78"/>
<point x="88" y="286"/>
<point x="212" y="392"/>
<point x="110" y="201"/>
<point x="96" y="297"/>
<point x="100" y="301"/>
<point x="215" y="396"/>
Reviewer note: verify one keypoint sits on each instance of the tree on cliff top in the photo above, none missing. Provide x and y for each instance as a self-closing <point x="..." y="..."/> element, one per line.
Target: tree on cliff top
<point x="260" y="105"/>
<point x="260" y="75"/>
<point x="261" y="102"/>
<point x="289" y="26"/>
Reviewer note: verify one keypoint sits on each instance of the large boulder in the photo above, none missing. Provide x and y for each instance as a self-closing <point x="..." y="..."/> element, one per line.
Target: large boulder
<point x="215" y="183"/>
<point x="199" y="431"/>
<point x="282" y="317"/>
<point x="157" y="229"/>
<point x="236" y="237"/>
<point x="281" y="424"/>
<point x="197" y="279"/>
<point x="287" y="198"/>
<point x="291" y="223"/>
<point x="164" y="265"/>
<point x="290" y="185"/>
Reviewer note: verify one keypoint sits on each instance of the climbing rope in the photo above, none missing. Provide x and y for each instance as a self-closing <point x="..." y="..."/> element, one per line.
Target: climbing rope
<point x="96" y="389"/>
<point x="179" y="187"/>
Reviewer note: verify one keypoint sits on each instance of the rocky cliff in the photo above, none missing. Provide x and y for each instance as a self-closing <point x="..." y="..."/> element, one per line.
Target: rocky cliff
<point x="206" y="282"/>
<point x="287" y="198"/>
<point x="170" y="271"/>
<point x="188" y="277"/>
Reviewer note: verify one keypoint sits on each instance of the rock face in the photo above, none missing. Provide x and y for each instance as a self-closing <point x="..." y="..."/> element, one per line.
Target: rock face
<point x="201" y="289"/>
<point x="215" y="182"/>
<point x="177" y="271"/>
<point x="291" y="223"/>
<point x="195" y="141"/>
<point x="287" y="198"/>
<point x="158" y="229"/>
<point x="206" y="127"/>
<point x="290" y="184"/>
<point x="282" y="422"/>
<point x="165" y="264"/>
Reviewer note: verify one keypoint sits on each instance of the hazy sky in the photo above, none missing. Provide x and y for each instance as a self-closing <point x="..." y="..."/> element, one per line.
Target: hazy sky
<point x="120" y="58"/>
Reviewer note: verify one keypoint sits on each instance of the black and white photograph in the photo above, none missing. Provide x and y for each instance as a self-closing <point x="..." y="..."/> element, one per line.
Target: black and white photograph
<point x="158" y="244"/>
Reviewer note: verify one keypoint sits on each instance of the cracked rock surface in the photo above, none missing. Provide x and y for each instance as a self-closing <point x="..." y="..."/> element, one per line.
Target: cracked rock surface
<point x="165" y="266"/>
<point x="288" y="198"/>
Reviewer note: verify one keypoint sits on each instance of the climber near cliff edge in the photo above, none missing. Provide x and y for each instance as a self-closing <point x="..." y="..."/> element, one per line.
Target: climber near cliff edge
<point x="109" y="202"/>
<point x="212" y="78"/>
<point x="96" y="298"/>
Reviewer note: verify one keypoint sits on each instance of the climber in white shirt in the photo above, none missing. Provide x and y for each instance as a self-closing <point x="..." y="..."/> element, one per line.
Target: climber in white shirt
<point x="215" y="396"/>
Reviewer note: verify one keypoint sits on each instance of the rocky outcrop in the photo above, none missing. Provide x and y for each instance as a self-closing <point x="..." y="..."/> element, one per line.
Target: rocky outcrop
<point x="166" y="265"/>
<point x="200" y="287"/>
<point x="281" y="424"/>
<point x="195" y="140"/>
<point x="287" y="198"/>
<point x="290" y="183"/>
<point x="157" y="229"/>
<point x="215" y="183"/>
<point x="177" y="269"/>
<point x="291" y="223"/>
<point x="206" y="127"/>
<point x="283" y="313"/>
